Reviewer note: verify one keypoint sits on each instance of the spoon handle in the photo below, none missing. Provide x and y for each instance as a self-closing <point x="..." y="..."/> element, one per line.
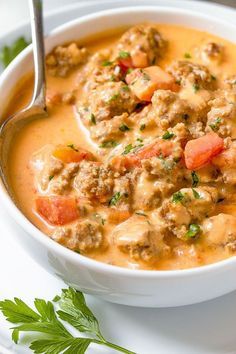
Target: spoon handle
<point x="36" y="19"/>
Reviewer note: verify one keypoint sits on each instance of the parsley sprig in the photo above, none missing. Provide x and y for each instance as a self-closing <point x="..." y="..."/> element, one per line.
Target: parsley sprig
<point x="8" y="53"/>
<point x="44" y="319"/>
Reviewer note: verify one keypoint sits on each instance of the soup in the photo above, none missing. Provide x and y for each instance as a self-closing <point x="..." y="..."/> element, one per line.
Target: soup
<point x="135" y="164"/>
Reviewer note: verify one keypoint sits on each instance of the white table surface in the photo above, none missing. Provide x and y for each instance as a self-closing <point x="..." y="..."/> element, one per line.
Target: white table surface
<point x="208" y="328"/>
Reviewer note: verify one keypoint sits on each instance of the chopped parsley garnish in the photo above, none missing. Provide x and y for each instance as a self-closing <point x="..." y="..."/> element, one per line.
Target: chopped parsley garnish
<point x="106" y="63"/>
<point x="140" y="140"/>
<point x="130" y="70"/>
<point x="140" y="213"/>
<point x="215" y="125"/>
<point x="51" y="177"/>
<point x="177" y="197"/>
<point x="123" y="127"/>
<point x="125" y="88"/>
<point x="8" y="53"/>
<point x="142" y="127"/>
<point x="130" y="148"/>
<point x="113" y="77"/>
<point x="193" y="231"/>
<point x="93" y="119"/>
<point x="196" y="88"/>
<point x="196" y="194"/>
<point x="108" y="144"/>
<point x="114" y="97"/>
<point x="123" y="54"/>
<point x="72" y="146"/>
<point x="167" y="135"/>
<point x="48" y="319"/>
<point x="195" y="179"/>
<point x="114" y="200"/>
<point x="187" y="55"/>
<point x="213" y="77"/>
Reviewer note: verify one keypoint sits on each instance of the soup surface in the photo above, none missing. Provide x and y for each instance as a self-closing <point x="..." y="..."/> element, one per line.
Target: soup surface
<point x="135" y="164"/>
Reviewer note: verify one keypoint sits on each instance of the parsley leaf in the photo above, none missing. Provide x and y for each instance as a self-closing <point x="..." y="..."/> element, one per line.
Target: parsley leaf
<point x="8" y="53"/>
<point x="114" y="200"/>
<point x="108" y="144"/>
<point x="196" y="88"/>
<point x="142" y="127"/>
<point x="92" y="119"/>
<point x="187" y="55"/>
<point x="195" y="179"/>
<point x="167" y="135"/>
<point x="106" y="63"/>
<point x="196" y="194"/>
<point x="123" y="127"/>
<point x="130" y="148"/>
<point x="123" y="54"/>
<point x="56" y="338"/>
<point x="193" y="231"/>
<point x="177" y="197"/>
<point x="215" y="125"/>
<point x="72" y="146"/>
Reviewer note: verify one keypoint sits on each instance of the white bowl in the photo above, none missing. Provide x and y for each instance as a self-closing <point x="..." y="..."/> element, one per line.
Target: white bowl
<point x="115" y="284"/>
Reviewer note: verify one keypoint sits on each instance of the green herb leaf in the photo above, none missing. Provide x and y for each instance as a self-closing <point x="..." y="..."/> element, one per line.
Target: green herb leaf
<point x="195" y="179"/>
<point x="196" y="88"/>
<point x="75" y="311"/>
<point x="187" y="55"/>
<point x="130" y="148"/>
<point x="177" y="197"/>
<point x="57" y="340"/>
<point x="123" y="127"/>
<point x="93" y="119"/>
<point x="142" y="127"/>
<point x="193" y="231"/>
<point x="51" y="177"/>
<point x="114" y="200"/>
<point x="167" y="135"/>
<point x="123" y="54"/>
<point x="72" y="147"/>
<point x="215" y="125"/>
<point x="125" y="88"/>
<point x="108" y="144"/>
<point x="114" y="97"/>
<point x="213" y="77"/>
<point x="107" y="63"/>
<point x="196" y="194"/>
<point x="141" y="213"/>
<point x="8" y="53"/>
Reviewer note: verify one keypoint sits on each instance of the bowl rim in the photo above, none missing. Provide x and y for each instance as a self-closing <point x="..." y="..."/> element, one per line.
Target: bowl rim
<point x="46" y="241"/>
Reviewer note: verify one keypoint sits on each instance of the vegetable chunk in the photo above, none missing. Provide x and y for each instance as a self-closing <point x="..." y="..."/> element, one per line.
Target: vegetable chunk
<point x="144" y="82"/>
<point x="69" y="154"/>
<point x="57" y="210"/>
<point x="199" y="152"/>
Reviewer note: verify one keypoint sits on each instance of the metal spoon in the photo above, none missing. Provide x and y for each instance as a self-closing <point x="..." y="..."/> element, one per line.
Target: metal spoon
<point x="37" y="106"/>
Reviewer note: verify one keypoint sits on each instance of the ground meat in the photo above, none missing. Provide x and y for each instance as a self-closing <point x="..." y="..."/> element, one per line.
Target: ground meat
<point x="149" y="191"/>
<point x="64" y="181"/>
<point x="123" y="187"/>
<point x="94" y="180"/>
<point x="188" y="206"/>
<point x="84" y="236"/>
<point x="98" y="70"/>
<point x="111" y="129"/>
<point x="220" y="231"/>
<point x="226" y="164"/>
<point x="212" y="52"/>
<point x="108" y="100"/>
<point x="221" y="117"/>
<point x="187" y="73"/>
<point x="169" y="109"/>
<point x="65" y="58"/>
<point x="137" y="237"/>
<point x="142" y="41"/>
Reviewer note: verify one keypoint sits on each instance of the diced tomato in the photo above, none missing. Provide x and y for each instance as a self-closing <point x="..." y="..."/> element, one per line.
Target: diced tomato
<point x="160" y="147"/>
<point x="144" y="82"/>
<point x="116" y="216"/>
<point x="126" y="62"/>
<point x="199" y="152"/>
<point x="130" y="161"/>
<point x="57" y="210"/>
<point x="69" y="154"/>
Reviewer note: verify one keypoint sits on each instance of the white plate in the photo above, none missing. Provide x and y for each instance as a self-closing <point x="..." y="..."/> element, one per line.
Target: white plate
<point x="207" y="328"/>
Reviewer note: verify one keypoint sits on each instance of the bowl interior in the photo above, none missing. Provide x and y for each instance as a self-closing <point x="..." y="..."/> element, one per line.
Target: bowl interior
<point x="78" y="30"/>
